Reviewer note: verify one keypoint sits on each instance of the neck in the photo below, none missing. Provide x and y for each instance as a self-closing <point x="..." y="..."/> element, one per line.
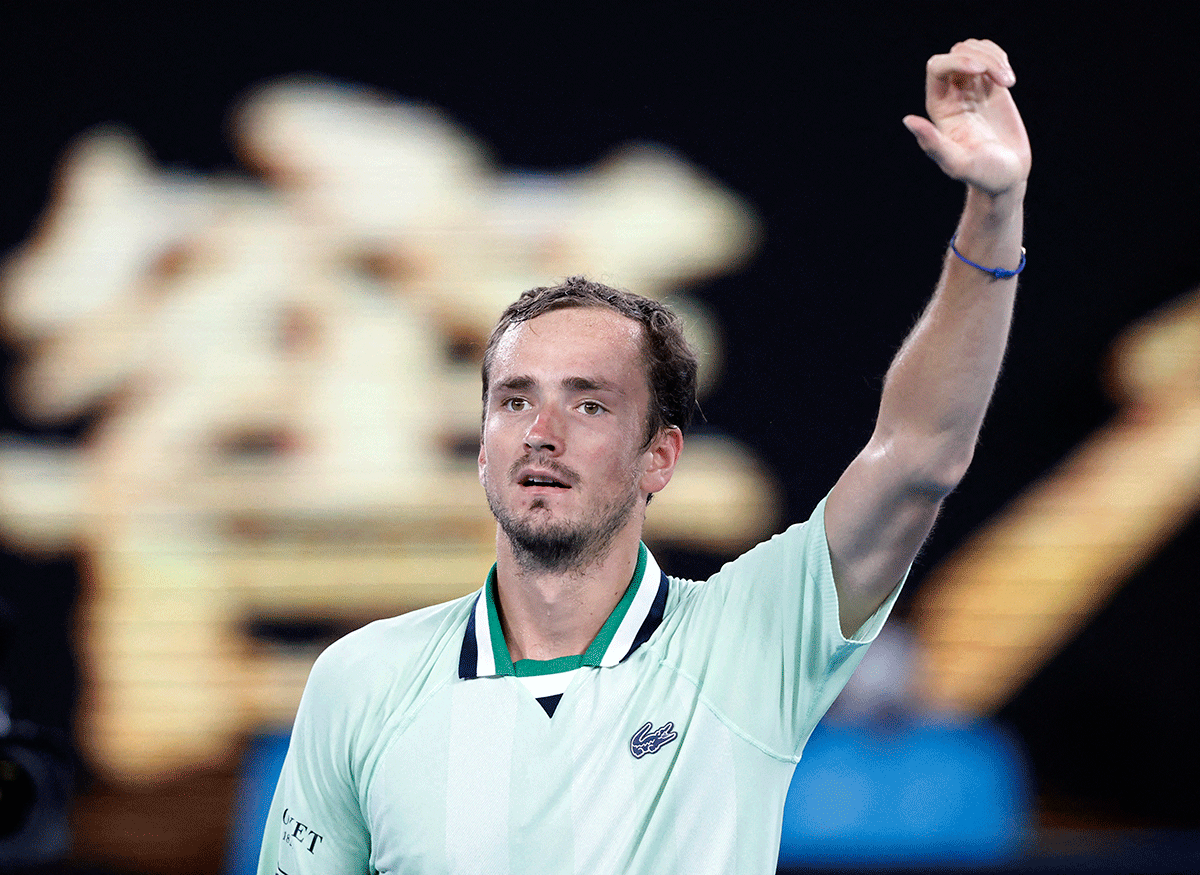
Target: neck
<point x="548" y="614"/>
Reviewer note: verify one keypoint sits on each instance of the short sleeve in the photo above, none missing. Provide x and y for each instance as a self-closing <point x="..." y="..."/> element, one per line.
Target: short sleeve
<point x="764" y="639"/>
<point x="316" y="823"/>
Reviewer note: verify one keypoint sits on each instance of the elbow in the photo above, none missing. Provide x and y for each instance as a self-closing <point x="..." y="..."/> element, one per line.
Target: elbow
<point x="931" y="469"/>
<point x="942" y="474"/>
<point x="937" y="485"/>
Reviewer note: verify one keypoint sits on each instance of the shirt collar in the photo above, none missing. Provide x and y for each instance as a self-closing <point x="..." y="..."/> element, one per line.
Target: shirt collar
<point x="485" y="653"/>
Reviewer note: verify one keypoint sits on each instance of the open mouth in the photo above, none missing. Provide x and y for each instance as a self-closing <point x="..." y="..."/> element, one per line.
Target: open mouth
<point x="543" y="481"/>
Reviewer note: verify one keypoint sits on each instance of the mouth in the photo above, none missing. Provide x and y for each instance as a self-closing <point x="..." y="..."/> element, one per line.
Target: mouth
<point x="547" y="477"/>
<point x="544" y="481"/>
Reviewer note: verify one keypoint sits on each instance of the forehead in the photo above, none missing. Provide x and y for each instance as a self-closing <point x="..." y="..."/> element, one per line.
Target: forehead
<point x="578" y="341"/>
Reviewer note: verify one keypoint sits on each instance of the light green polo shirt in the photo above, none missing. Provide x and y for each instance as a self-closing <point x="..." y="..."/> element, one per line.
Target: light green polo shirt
<point x="419" y="747"/>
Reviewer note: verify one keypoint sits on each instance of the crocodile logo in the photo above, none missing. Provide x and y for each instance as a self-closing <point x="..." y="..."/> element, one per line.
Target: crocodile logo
<point x="649" y="740"/>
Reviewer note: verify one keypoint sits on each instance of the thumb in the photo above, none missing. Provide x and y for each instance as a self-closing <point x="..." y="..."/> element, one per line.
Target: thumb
<point x="930" y="139"/>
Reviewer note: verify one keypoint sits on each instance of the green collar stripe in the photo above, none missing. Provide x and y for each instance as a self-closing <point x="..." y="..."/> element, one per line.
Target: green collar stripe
<point x="592" y="656"/>
<point x="596" y="650"/>
<point x="530" y="668"/>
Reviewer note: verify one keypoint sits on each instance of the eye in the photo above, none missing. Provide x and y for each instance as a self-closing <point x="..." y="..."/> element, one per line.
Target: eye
<point x="514" y="405"/>
<point x="591" y="408"/>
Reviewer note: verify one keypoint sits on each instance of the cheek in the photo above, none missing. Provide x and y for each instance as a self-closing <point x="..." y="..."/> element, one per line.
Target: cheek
<point x="487" y="452"/>
<point x="626" y="468"/>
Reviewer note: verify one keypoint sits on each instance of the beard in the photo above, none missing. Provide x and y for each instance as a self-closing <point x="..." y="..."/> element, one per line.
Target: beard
<point x="560" y="547"/>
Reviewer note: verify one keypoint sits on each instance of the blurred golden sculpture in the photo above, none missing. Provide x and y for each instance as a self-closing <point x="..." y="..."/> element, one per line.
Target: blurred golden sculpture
<point x="281" y="380"/>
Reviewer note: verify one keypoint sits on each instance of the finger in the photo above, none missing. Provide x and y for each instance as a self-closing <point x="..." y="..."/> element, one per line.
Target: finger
<point x="924" y="130"/>
<point x="931" y="141"/>
<point x="973" y="58"/>
<point x="993" y="57"/>
<point x="987" y="48"/>
<point x="943" y="67"/>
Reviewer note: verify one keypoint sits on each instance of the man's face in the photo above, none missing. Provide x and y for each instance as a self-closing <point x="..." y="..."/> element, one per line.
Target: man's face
<point x="562" y="458"/>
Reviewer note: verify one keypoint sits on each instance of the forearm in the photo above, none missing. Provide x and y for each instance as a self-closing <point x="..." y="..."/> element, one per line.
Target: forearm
<point x="939" y="384"/>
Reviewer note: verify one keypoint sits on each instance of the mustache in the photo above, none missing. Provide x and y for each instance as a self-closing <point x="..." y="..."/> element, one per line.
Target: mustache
<point x="560" y="471"/>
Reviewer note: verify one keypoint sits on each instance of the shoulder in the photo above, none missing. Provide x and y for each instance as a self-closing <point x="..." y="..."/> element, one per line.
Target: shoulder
<point x="385" y="650"/>
<point x="799" y="552"/>
<point x="783" y="582"/>
<point x="801" y="547"/>
<point x="366" y="683"/>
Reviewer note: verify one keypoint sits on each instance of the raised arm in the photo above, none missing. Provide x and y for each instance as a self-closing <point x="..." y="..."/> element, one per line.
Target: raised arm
<point x="939" y="384"/>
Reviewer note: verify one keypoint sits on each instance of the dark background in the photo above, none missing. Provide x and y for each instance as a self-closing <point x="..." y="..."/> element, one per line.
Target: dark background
<point x="800" y="112"/>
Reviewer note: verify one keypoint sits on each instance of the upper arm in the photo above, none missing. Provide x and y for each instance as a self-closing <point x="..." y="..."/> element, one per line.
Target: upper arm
<point x="310" y="832"/>
<point x="875" y="522"/>
<point x="316" y="823"/>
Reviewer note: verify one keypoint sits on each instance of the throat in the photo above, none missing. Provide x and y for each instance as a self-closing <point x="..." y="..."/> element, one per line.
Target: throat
<point x="555" y="617"/>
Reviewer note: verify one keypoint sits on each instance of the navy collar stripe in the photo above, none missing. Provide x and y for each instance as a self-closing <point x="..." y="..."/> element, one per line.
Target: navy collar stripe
<point x="653" y="619"/>
<point x="468" y="657"/>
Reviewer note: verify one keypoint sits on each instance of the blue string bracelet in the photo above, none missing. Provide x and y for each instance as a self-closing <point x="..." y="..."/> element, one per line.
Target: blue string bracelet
<point x="999" y="273"/>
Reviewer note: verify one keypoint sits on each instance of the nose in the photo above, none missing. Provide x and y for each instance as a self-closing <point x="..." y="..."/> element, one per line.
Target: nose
<point x="545" y="432"/>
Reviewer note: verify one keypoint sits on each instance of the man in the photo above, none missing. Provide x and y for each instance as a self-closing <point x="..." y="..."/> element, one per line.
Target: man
<point x="584" y="712"/>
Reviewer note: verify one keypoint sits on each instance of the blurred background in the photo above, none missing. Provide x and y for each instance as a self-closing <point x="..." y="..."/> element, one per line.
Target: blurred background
<point x="251" y="255"/>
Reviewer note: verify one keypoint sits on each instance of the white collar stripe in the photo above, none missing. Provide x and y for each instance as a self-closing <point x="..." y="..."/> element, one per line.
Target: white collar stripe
<point x="647" y="589"/>
<point x="486" y="664"/>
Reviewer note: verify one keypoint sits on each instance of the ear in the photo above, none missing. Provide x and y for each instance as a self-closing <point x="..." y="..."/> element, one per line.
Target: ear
<point x="660" y="458"/>
<point x="482" y="462"/>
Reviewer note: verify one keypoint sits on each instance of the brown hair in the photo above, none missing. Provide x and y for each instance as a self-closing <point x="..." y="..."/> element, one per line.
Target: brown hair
<point x="671" y="366"/>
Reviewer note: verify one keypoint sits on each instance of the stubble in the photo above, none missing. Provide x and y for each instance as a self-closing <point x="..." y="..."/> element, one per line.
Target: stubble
<point x="544" y="545"/>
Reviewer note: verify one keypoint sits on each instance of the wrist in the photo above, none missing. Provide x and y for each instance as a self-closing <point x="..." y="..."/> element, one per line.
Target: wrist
<point x="996" y="273"/>
<point x="992" y="209"/>
<point x="990" y="230"/>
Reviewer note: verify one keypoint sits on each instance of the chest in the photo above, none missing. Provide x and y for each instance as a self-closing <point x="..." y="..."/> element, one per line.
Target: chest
<point x="481" y="773"/>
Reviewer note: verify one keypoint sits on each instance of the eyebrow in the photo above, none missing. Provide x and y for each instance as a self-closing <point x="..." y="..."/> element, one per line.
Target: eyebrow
<point x="516" y="384"/>
<point x="584" y="384"/>
<point x="576" y="384"/>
